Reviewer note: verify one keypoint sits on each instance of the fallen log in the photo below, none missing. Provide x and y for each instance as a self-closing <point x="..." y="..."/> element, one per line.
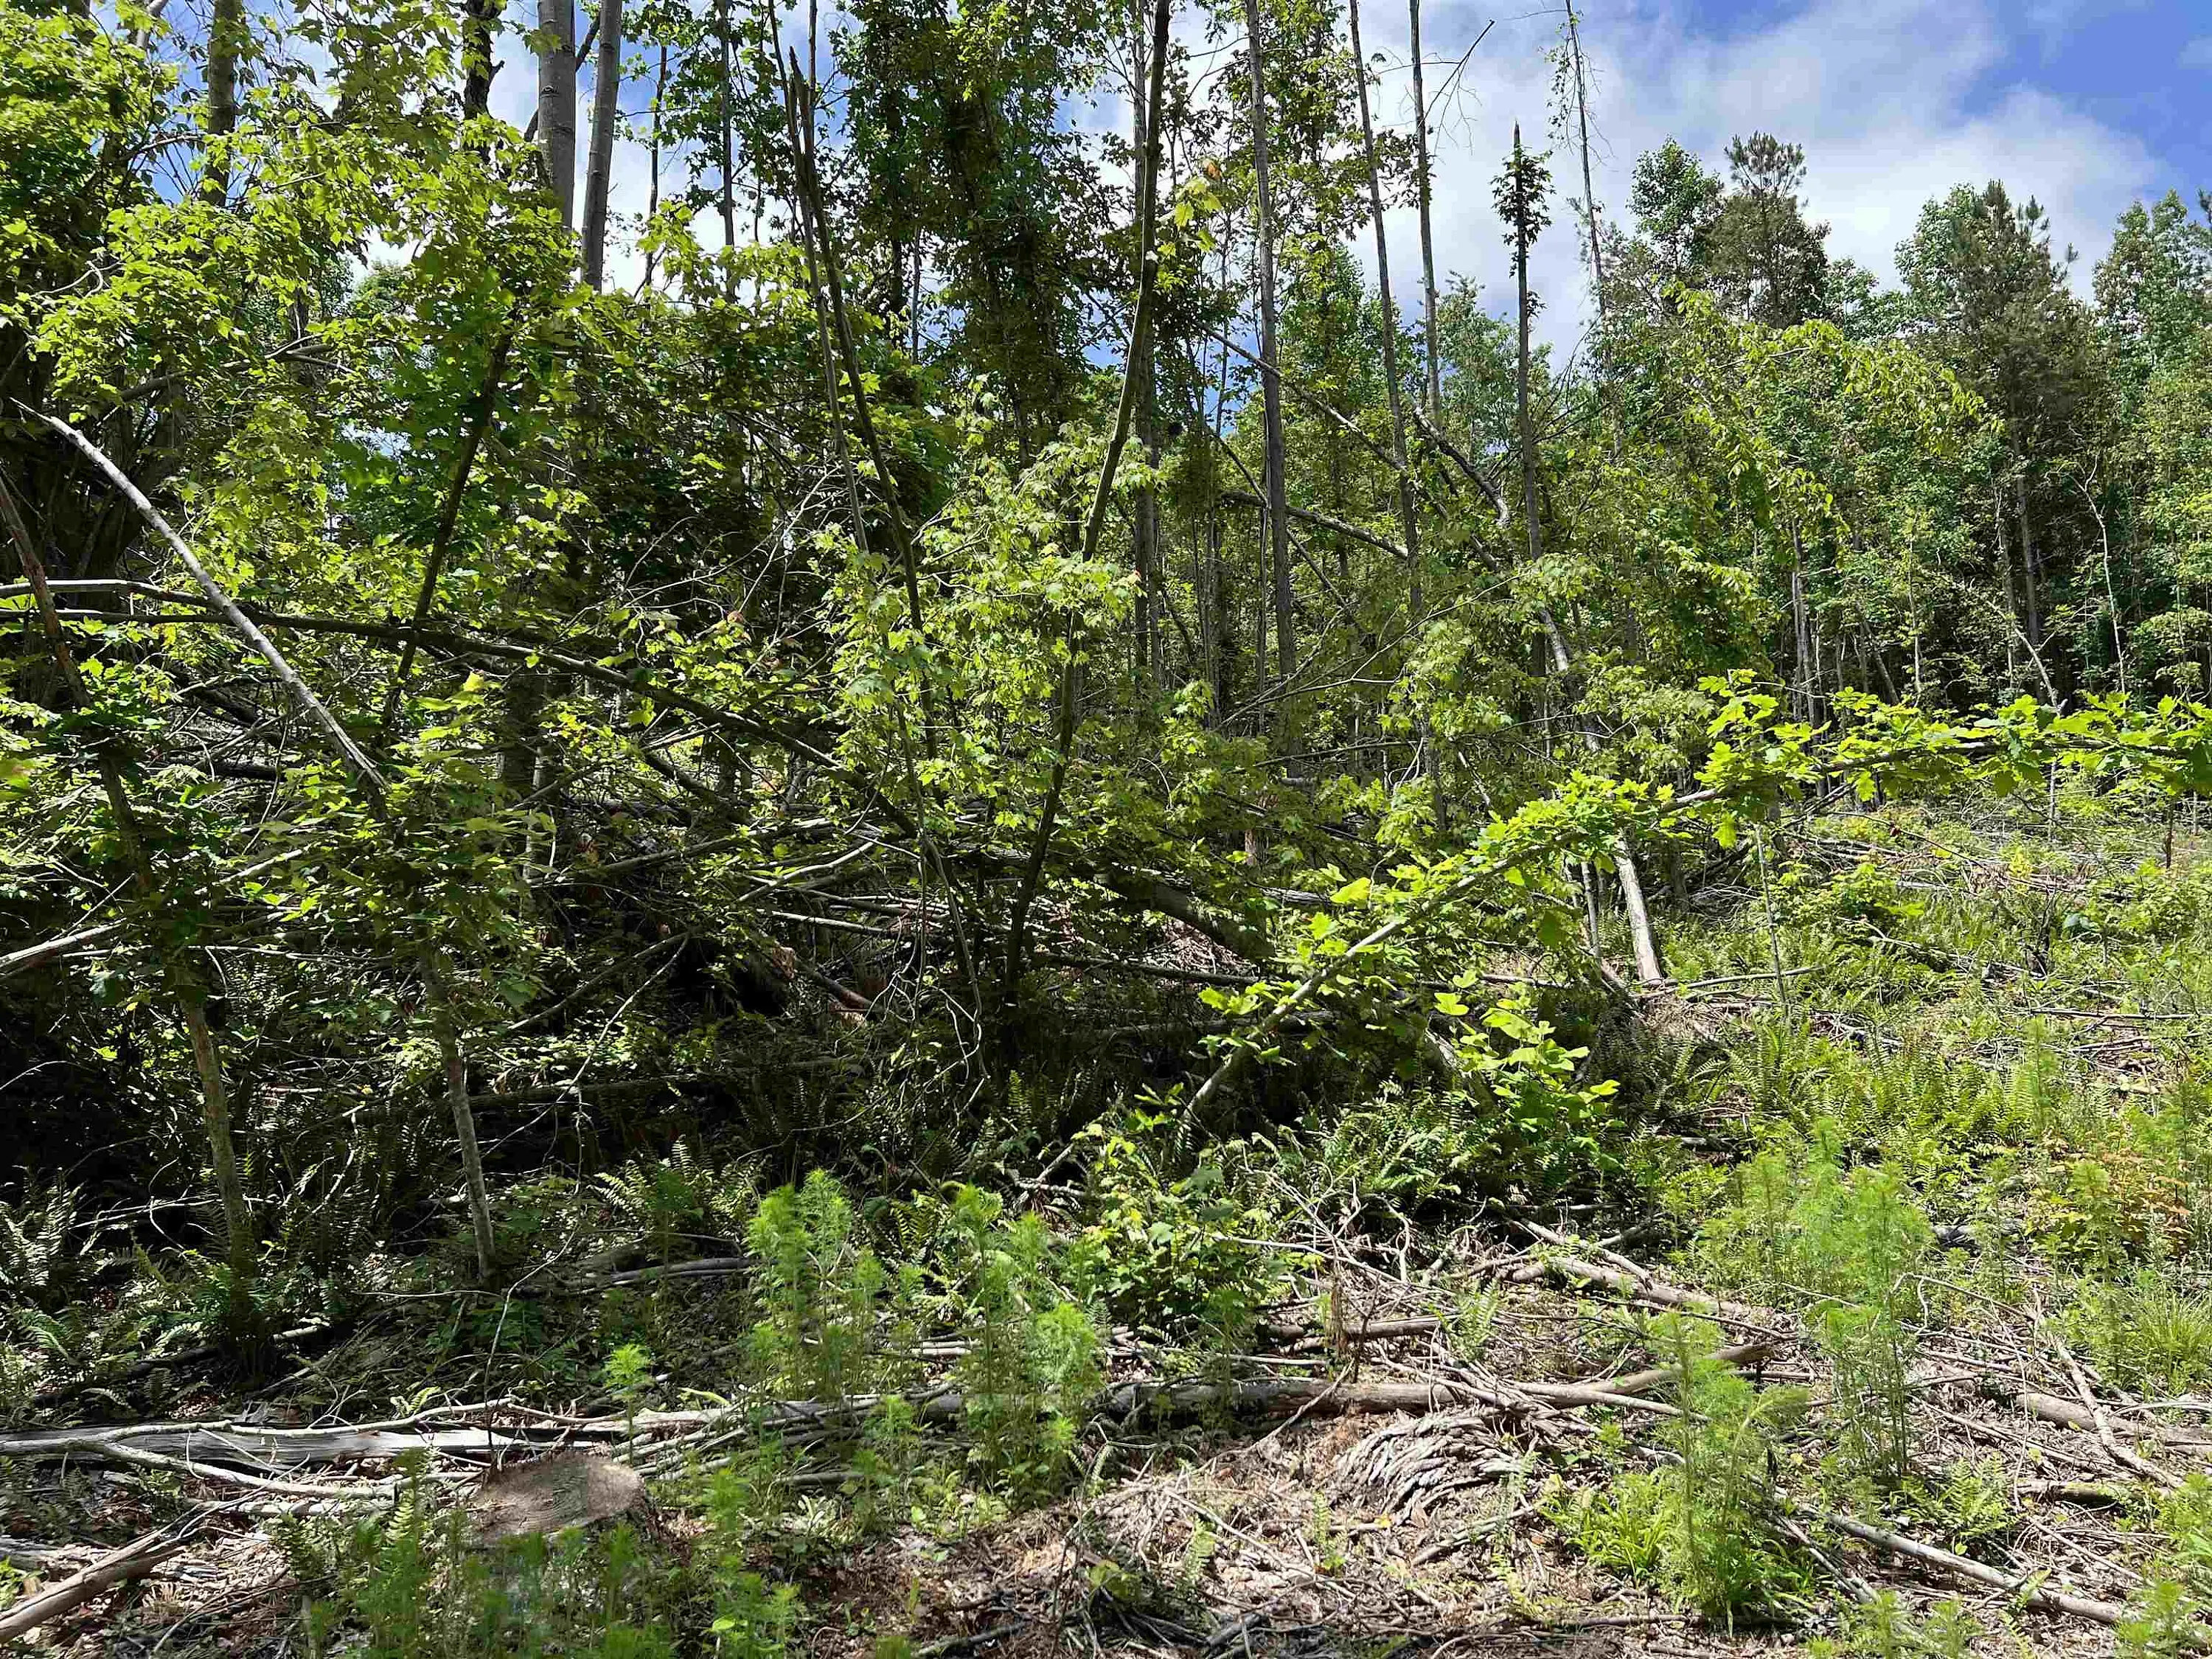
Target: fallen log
<point x="1959" y="1566"/>
<point x="134" y="1560"/>
<point x="1574" y="1269"/>
<point x="263" y="1452"/>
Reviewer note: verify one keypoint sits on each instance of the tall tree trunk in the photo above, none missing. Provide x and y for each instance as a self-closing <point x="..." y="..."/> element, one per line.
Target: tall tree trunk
<point x="1590" y="191"/>
<point x="2012" y="590"/>
<point x="1408" y="512"/>
<point x="1524" y="426"/>
<point x="729" y="201"/>
<point x="556" y="102"/>
<point x="2030" y="570"/>
<point x="1806" y="668"/>
<point x="598" y="172"/>
<point x="653" y="186"/>
<point x="1144" y="510"/>
<point x="1271" y="385"/>
<point x="479" y="30"/>
<point x="226" y="39"/>
<point x="1095" y="524"/>
<point x="1428" y="240"/>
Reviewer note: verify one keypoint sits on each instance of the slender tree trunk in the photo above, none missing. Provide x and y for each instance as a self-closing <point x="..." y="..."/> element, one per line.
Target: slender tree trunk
<point x="556" y="102"/>
<point x="479" y="31"/>
<point x="1271" y="387"/>
<point x="1524" y="425"/>
<point x="2029" y="570"/>
<point x="2012" y="588"/>
<point x="653" y="186"/>
<point x="1806" y="670"/>
<point x="729" y="200"/>
<point x="1428" y="240"/>
<point x="1590" y="191"/>
<point x="1408" y="514"/>
<point x="465" y="1118"/>
<point x="598" y="172"/>
<point x="1144" y="525"/>
<point x="226" y="38"/>
<point x="1648" y="966"/>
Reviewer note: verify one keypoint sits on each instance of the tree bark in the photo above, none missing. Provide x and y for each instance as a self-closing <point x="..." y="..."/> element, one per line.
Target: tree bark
<point x="228" y="32"/>
<point x="2028" y="569"/>
<point x="606" y="109"/>
<point x="465" y="1118"/>
<point x="1590" y="191"/>
<point x="479" y="28"/>
<point x="1428" y="240"/>
<point x="1648" y="966"/>
<point x="653" y="186"/>
<point x="1271" y="386"/>
<point x="1144" y="529"/>
<point x="1408" y="514"/>
<point x="729" y="203"/>
<point x="556" y="102"/>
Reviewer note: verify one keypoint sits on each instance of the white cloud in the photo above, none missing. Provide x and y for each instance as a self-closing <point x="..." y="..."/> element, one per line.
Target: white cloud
<point x="2197" y="54"/>
<point x="1894" y="100"/>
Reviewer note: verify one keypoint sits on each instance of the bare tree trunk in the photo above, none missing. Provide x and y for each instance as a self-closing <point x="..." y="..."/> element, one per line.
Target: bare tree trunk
<point x="2028" y="569"/>
<point x="465" y="1118"/>
<point x="1271" y="386"/>
<point x="1144" y="510"/>
<point x="722" y="117"/>
<point x="556" y="102"/>
<point x="652" y="188"/>
<point x="226" y="38"/>
<point x="2012" y="589"/>
<point x="1805" y="668"/>
<point x="479" y="29"/>
<point x="1428" y="240"/>
<point x="1524" y="426"/>
<point x="1590" y="191"/>
<point x="1408" y="514"/>
<point x="599" y="172"/>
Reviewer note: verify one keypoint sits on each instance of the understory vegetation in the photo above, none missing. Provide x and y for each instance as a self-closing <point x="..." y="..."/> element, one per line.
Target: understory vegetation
<point x="903" y="887"/>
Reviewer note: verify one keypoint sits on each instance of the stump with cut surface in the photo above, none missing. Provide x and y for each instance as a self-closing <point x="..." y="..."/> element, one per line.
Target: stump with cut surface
<point x="569" y="1489"/>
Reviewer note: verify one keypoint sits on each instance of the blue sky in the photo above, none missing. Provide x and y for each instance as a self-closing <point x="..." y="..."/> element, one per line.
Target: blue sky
<point x="2086" y="105"/>
<point x="2139" y="67"/>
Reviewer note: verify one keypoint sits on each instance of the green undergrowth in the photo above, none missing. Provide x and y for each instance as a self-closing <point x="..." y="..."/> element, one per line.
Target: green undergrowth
<point x="1895" y="1145"/>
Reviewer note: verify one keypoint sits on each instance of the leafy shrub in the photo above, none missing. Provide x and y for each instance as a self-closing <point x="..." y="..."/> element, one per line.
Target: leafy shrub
<point x="1170" y="1251"/>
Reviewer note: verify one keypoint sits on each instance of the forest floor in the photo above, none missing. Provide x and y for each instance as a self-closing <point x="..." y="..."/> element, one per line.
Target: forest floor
<point x="1875" y="1326"/>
